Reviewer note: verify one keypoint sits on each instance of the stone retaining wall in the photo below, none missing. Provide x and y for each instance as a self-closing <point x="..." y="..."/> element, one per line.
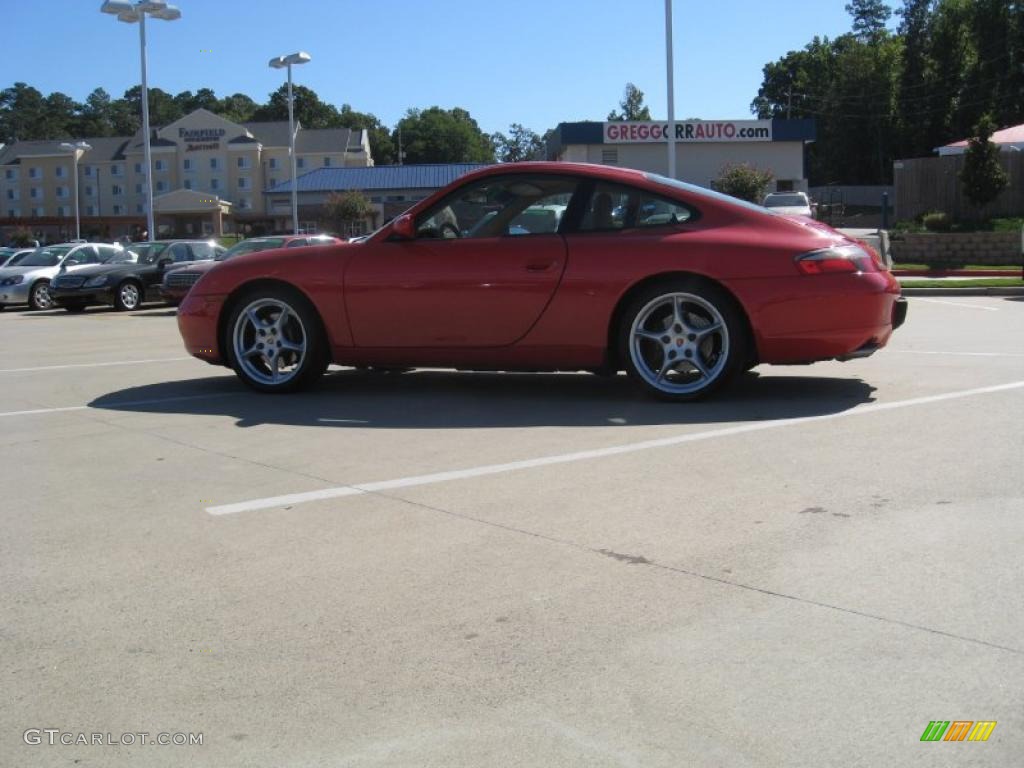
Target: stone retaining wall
<point x="956" y="249"/>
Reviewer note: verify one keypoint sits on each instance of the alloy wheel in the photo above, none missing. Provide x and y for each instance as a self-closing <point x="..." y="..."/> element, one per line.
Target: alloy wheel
<point x="679" y="343"/>
<point x="270" y="341"/>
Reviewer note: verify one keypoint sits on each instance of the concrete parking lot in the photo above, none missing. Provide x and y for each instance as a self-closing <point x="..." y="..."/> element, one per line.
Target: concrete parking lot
<point x="455" y="569"/>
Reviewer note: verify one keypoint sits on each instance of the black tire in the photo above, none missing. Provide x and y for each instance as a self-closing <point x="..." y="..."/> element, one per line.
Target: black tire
<point x="302" y="325"/>
<point x="36" y="300"/>
<point x="128" y="296"/>
<point x="75" y="307"/>
<point x="693" y="358"/>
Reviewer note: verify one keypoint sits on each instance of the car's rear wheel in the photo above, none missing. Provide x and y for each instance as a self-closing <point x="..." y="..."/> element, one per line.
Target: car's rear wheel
<point x="275" y="341"/>
<point x="39" y="297"/>
<point x="128" y="296"/>
<point x="682" y="339"/>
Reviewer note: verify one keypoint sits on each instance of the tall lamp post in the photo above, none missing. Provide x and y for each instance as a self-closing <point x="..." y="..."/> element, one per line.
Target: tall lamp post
<point x="671" y="91"/>
<point x="285" y="62"/>
<point x="130" y="13"/>
<point x="77" y="150"/>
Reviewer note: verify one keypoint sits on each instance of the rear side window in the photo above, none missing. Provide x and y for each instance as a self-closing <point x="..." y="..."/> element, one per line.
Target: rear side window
<point x="614" y="207"/>
<point x="180" y="252"/>
<point x="299" y="243"/>
<point x="202" y="251"/>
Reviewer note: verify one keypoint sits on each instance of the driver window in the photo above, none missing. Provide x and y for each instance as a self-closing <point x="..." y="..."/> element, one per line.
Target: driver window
<point x="500" y="207"/>
<point x="84" y="255"/>
<point x="179" y="252"/>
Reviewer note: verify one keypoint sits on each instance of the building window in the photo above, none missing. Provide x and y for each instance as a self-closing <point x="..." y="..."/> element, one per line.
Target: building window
<point x="12" y="194"/>
<point x="116" y="190"/>
<point x="90" y="210"/>
<point x="115" y="169"/>
<point x="62" y="211"/>
<point x="375" y="199"/>
<point x="138" y="189"/>
<point x="160" y="165"/>
<point x="609" y="157"/>
<point x="34" y="193"/>
<point x="118" y="209"/>
<point x="327" y="162"/>
<point x="214" y="163"/>
<point x="62" y="192"/>
<point x="39" y="211"/>
<point x="161" y="186"/>
<point x="88" y="170"/>
<point x="244" y="204"/>
<point x="273" y="183"/>
<point x="138" y="208"/>
<point x="187" y="163"/>
<point x="273" y="164"/>
<point x="11" y="174"/>
<point x="35" y="173"/>
<point x="61" y="173"/>
<point x="88" y="191"/>
<point x="14" y="213"/>
<point x="188" y="183"/>
<point x="243" y="182"/>
<point x="301" y="162"/>
<point x="243" y="163"/>
<point x="214" y="184"/>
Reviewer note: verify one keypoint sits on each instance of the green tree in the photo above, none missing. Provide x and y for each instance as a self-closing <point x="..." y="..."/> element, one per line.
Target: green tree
<point x="520" y="144"/>
<point x="237" y="107"/>
<point x="983" y="176"/>
<point x="60" y="116"/>
<point x="632" y="106"/>
<point x="310" y="111"/>
<point x="95" y="118"/>
<point x="163" y="109"/>
<point x="382" y="146"/>
<point x="869" y="16"/>
<point x="344" y="209"/>
<point x="436" y="135"/>
<point x="744" y="181"/>
<point x="22" y="113"/>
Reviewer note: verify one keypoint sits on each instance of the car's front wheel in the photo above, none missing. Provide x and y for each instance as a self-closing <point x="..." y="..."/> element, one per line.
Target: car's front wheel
<point x="275" y="342"/>
<point x="682" y="339"/>
<point x="39" y="297"/>
<point x="128" y="296"/>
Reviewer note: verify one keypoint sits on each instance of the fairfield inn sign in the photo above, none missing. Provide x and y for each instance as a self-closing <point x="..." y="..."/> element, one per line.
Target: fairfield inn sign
<point x="201" y="138"/>
<point x="688" y="131"/>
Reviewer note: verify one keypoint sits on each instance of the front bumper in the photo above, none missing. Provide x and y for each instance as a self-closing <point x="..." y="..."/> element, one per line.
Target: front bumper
<point x="197" y="322"/>
<point x="14" y="294"/>
<point x="100" y="295"/>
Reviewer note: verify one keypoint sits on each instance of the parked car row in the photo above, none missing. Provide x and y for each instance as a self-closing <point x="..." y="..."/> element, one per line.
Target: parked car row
<point x="81" y="274"/>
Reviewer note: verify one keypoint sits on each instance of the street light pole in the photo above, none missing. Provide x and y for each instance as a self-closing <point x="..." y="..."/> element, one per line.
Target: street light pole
<point x="132" y="13"/>
<point x="671" y="92"/>
<point x="77" y="149"/>
<point x="285" y="62"/>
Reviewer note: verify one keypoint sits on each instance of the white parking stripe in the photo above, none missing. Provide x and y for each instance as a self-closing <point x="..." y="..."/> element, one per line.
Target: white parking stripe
<point x="513" y="466"/>
<point x="115" y="406"/>
<point x="954" y="304"/>
<point x="94" y="365"/>
<point x="966" y="354"/>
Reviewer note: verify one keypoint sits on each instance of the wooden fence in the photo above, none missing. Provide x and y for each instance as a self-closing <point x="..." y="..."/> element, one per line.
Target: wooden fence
<point x="933" y="184"/>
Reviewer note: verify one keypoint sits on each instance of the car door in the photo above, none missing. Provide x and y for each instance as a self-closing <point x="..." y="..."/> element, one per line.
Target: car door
<point x="483" y="267"/>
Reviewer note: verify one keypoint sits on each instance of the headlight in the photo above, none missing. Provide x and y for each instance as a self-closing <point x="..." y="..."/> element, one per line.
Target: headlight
<point x="13" y="280"/>
<point x="94" y="282"/>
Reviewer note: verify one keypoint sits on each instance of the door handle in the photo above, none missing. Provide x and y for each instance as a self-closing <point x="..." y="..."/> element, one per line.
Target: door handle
<point x="540" y="266"/>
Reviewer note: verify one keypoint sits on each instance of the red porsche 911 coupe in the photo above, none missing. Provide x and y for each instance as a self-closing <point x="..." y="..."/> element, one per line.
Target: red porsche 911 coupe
<point x="553" y="266"/>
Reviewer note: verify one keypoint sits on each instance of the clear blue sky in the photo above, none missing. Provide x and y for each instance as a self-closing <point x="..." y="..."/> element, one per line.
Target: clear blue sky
<point x="537" y="62"/>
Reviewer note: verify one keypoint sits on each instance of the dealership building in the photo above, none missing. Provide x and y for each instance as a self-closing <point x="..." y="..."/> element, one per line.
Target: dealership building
<point x="703" y="147"/>
<point x="210" y="176"/>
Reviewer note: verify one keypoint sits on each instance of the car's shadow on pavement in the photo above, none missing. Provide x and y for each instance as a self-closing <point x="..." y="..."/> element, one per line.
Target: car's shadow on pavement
<point x="430" y="399"/>
<point x="146" y="310"/>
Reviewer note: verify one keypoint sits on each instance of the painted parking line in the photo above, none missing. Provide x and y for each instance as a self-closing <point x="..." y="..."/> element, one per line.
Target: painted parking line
<point x="115" y="406"/>
<point x="964" y="354"/>
<point x="598" y="453"/>
<point x="954" y="304"/>
<point x="95" y="365"/>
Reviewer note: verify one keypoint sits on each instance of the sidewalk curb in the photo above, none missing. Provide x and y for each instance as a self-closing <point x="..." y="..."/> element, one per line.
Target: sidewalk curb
<point x="1007" y="290"/>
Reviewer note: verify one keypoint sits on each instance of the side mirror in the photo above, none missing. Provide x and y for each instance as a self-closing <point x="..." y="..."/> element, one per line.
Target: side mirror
<point x="165" y="262"/>
<point x="404" y="228"/>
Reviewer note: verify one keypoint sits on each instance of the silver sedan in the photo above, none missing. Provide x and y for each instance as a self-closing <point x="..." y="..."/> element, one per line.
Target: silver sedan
<point x="29" y="281"/>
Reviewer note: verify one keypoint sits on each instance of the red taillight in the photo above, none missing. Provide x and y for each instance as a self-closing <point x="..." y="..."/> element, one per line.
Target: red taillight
<point x="837" y="260"/>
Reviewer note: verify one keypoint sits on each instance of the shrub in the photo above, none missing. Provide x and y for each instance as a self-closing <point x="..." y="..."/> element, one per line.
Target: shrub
<point x="982" y="177"/>
<point x="744" y="181"/>
<point x="937" y="222"/>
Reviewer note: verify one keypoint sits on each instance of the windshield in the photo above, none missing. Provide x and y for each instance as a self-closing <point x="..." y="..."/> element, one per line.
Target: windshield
<point x="147" y="253"/>
<point x="709" y="193"/>
<point x="250" y="246"/>
<point x="45" y="257"/>
<point x="774" y="201"/>
<point x="18" y="258"/>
